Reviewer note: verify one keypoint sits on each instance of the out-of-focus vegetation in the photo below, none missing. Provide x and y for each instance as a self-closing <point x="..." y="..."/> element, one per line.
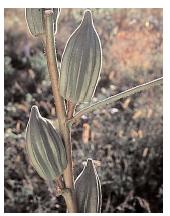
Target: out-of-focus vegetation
<point x="125" y="139"/>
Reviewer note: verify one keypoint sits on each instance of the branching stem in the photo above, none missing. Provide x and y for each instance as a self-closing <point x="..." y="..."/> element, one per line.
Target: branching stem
<point x="114" y="98"/>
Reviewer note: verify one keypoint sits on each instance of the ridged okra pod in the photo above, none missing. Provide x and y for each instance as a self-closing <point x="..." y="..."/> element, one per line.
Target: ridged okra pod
<point x="44" y="147"/>
<point x="88" y="190"/>
<point x="81" y="62"/>
<point x="35" y="20"/>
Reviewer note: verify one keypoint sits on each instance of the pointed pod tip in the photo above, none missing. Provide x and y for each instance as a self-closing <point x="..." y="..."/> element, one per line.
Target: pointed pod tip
<point x="88" y="16"/>
<point x="35" y="111"/>
<point x="34" y="108"/>
<point x="88" y="12"/>
<point x="89" y="162"/>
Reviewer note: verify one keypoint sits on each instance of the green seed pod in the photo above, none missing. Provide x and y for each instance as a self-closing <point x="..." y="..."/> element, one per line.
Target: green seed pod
<point x="44" y="147"/>
<point x="81" y="62"/>
<point x="88" y="190"/>
<point x="35" y="20"/>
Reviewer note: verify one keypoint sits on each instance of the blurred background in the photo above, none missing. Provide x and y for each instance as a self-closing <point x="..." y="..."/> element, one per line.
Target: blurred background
<point x="125" y="139"/>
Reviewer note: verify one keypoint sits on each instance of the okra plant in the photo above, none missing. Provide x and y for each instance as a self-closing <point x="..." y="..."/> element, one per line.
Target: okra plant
<point x="49" y="147"/>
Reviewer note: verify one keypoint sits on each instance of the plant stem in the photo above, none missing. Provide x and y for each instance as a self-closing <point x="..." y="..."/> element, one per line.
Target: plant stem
<point x="70" y="109"/>
<point x="114" y="98"/>
<point x="59" y="104"/>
